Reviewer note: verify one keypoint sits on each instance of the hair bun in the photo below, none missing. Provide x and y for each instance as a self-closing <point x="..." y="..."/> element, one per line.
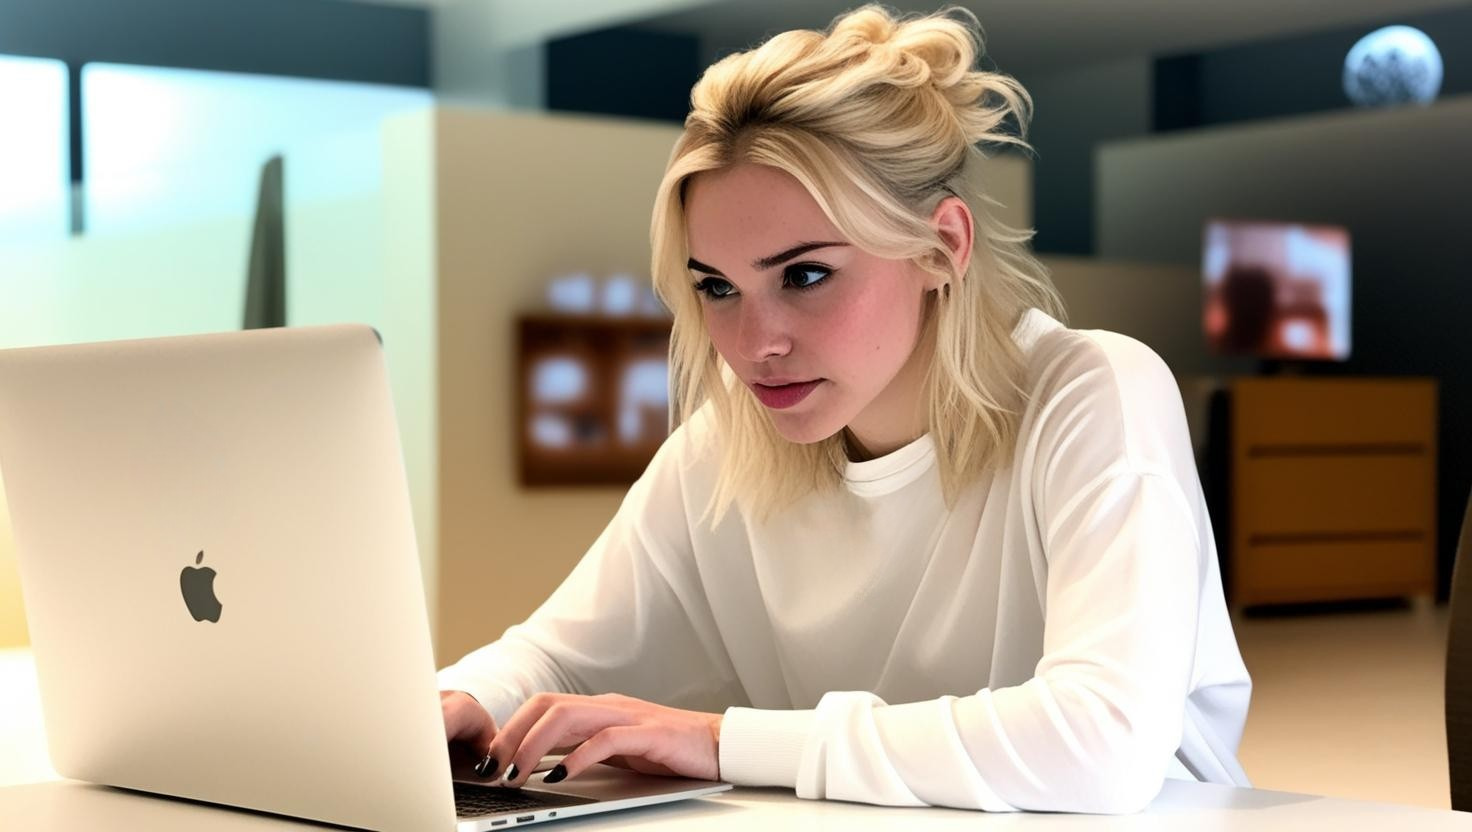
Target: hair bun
<point x="877" y="82"/>
<point x="937" y="51"/>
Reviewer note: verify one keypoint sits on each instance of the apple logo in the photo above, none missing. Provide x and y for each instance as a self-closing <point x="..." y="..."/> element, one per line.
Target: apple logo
<point x="198" y="586"/>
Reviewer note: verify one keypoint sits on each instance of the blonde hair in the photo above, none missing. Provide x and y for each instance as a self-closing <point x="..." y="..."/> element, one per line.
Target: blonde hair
<point x="879" y="119"/>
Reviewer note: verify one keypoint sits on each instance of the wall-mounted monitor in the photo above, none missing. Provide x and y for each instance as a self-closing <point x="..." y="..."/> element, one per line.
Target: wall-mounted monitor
<point x="1276" y="290"/>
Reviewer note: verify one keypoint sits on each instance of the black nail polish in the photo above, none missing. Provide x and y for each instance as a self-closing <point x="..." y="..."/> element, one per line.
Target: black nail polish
<point x="487" y="767"/>
<point x="556" y="775"/>
<point x="511" y="773"/>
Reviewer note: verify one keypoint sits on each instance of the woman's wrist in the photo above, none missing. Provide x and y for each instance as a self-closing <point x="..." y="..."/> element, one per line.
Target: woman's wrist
<point x="716" y="720"/>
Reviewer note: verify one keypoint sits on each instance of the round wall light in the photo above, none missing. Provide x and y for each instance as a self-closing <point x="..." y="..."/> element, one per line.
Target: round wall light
<point x="1393" y="66"/>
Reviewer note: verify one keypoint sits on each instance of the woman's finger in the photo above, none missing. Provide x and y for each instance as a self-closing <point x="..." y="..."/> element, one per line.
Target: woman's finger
<point x="469" y="728"/>
<point x="565" y="724"/>
<point x="481" y="742"/>
<point x="630" y="741"/>
<point x="508" y="738"/>
<point x="539" y="727"/>
<point x="459" y="711"/>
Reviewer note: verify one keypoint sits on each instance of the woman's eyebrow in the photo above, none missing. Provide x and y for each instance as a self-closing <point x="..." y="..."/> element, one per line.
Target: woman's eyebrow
<point x="787" y="254"/>
<point x="764" y="263"/>
<point x="697" y="266"/>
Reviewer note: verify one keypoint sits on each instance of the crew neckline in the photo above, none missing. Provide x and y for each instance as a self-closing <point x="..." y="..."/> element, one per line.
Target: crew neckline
<point x="893" y="470"/>
<point x="905" y="464"/>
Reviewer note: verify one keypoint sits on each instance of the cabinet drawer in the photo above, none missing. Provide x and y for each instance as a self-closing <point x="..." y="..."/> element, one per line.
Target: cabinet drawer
<point x="1332" y="571"/>
<point x="1295" y="494"/>
<point x="1333" y="412"/>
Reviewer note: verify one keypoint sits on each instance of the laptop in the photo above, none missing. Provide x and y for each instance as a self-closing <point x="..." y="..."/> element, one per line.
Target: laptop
<point x="225" y="602"/>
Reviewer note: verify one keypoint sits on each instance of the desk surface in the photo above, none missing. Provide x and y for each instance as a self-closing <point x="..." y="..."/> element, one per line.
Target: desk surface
<point x="69" y="806"/>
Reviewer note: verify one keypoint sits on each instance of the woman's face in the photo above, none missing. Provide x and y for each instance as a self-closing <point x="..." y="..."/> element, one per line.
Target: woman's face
<point x="822" y="332"/>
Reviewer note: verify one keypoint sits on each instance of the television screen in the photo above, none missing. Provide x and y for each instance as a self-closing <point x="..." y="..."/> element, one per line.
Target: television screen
<point x="1276" y="290"/>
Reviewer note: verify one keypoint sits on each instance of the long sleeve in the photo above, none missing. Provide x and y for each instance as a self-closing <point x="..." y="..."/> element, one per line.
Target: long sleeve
<point x="1094" y="730"/>
<point x="631" y="618"/>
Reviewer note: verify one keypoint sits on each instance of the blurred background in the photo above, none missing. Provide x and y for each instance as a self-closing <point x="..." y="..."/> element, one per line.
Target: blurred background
<point x="1271" y="195"/>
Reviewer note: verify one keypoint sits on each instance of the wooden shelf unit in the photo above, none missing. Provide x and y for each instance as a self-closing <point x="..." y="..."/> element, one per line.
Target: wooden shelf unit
<point x="603" y="346"/>
<point x="1333" y="489"/>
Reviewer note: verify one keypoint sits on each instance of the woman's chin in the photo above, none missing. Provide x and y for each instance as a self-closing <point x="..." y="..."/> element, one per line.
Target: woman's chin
<point x="804" y="429"/>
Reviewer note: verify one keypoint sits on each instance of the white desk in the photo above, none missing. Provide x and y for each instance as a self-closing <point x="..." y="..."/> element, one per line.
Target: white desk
<point x="69" y="806"/>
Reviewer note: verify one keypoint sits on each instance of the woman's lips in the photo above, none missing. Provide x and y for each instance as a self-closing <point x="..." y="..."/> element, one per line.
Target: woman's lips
<point x="780" y="397"/>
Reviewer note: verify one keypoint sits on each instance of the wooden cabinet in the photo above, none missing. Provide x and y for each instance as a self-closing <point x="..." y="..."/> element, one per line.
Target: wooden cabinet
<point x="1333" y="489"/>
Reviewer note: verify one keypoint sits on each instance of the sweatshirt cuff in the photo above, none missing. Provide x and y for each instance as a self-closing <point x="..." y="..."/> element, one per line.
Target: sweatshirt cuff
<point x="763" y="747"/>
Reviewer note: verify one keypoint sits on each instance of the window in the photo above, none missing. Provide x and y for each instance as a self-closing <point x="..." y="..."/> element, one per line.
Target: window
<point x="33" y="150"/>
<point x="172" y="146"/>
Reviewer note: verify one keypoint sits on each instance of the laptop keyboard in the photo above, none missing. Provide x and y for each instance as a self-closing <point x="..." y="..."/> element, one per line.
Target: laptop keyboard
<point x="472" y="800"/>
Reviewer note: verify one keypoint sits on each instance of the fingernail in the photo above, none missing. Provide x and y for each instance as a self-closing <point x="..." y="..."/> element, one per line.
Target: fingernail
<point x="487" y="767"/>
<point x="556" y="775"/>
<point x="511" y="773"/>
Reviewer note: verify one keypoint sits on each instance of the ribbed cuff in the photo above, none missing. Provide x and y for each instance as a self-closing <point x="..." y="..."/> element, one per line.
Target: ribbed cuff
<point x="763" y="748"/>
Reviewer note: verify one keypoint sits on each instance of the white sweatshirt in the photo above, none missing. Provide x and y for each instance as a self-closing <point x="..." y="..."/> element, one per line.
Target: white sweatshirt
<point x="1057" y="641"/>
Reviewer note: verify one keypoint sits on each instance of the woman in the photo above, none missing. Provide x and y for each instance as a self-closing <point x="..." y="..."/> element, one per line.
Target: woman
<point x="897" y="479"/>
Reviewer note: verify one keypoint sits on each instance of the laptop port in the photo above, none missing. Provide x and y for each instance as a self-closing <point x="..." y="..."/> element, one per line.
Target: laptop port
<point x="525" y="818"/>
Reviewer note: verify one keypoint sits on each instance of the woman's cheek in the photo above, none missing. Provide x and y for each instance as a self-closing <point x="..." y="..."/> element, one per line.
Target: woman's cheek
<point x="718" y="329"/>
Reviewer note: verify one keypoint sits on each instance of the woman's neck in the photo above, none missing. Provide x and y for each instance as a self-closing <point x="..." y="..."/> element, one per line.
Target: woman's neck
<point x="854" y="448"/>
<point x="898" y="416"/>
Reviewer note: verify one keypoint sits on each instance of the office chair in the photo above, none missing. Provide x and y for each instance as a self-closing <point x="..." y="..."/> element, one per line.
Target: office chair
<point x="1459" y="671"/>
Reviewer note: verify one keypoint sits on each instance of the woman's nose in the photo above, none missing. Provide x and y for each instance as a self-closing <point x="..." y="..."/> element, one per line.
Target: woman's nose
<point x="762" y="333"/>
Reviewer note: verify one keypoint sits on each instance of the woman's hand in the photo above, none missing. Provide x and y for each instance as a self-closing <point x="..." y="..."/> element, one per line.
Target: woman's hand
<point x="610" y="728"/>
<point x="469" y="728"/>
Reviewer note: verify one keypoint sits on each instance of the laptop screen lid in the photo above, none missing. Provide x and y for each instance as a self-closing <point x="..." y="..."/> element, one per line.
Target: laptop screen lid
<point x="220" y="574"/>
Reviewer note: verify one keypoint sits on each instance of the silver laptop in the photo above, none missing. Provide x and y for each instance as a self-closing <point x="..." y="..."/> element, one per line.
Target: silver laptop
<point x="222" y="586"/>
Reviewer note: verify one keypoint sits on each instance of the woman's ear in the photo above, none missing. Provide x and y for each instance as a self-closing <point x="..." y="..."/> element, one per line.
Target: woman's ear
<point x="952" y="221"/>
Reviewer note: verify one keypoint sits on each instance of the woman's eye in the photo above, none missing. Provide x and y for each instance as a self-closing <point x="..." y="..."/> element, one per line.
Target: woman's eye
<point x="715" y="288"/>
<point x="805" y="276"/>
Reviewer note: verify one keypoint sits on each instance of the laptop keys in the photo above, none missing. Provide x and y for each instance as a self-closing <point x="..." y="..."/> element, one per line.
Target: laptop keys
<point x="473" y="801"/>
